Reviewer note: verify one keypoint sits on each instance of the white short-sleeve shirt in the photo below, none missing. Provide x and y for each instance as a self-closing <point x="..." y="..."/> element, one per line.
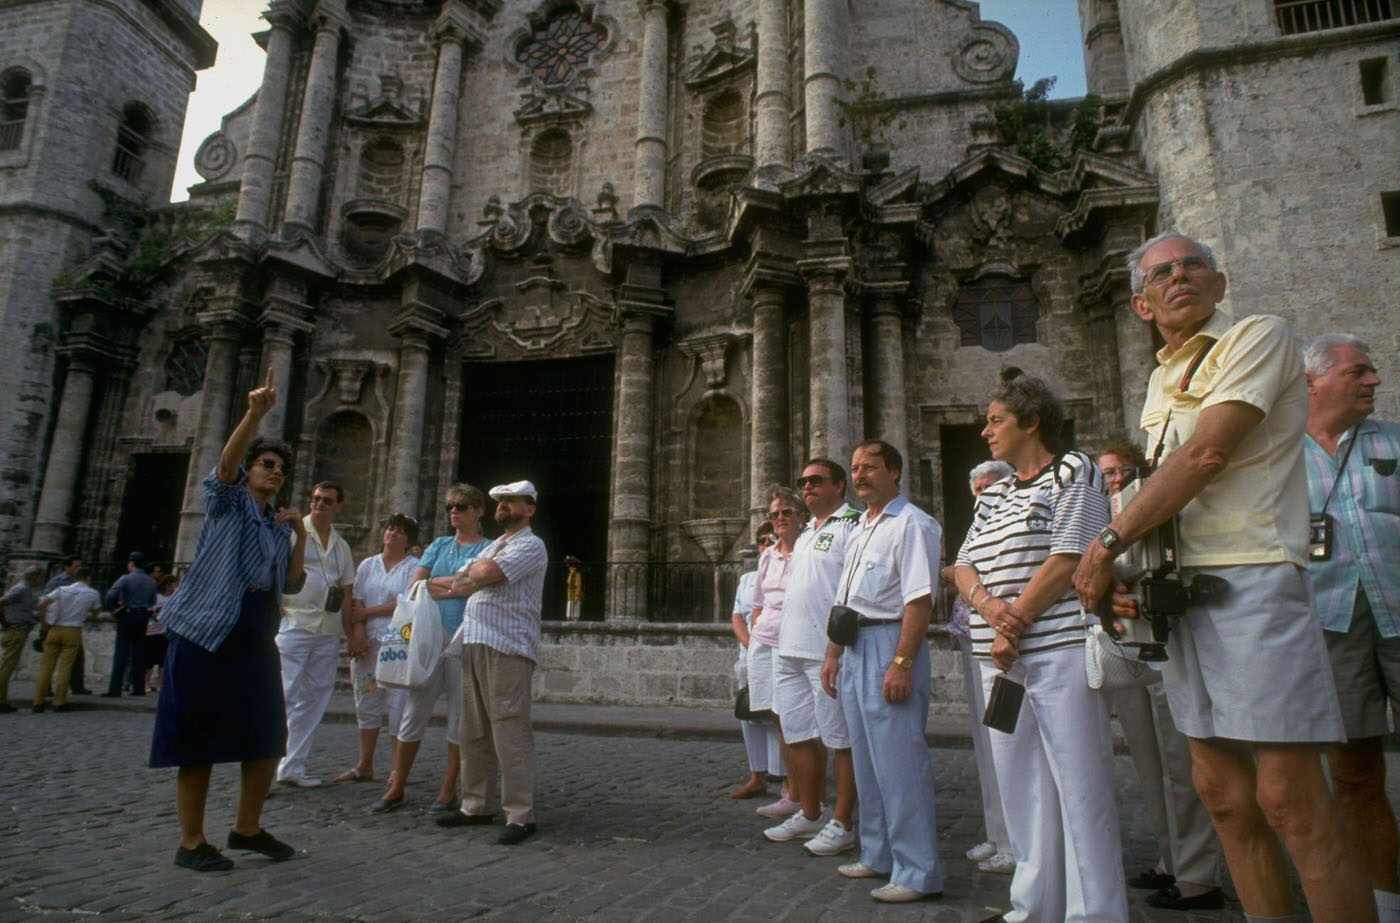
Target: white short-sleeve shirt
<point x="891" y="560"/>
<point x="374" y="586"/>
<point x="817" y="559"/>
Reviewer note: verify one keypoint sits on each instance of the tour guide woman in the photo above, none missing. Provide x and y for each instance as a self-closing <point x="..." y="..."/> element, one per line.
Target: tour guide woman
<point x="221" y="688"/>
<point x="1055" y="771"/>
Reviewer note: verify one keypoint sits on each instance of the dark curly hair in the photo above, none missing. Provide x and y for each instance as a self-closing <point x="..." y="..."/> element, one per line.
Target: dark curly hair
<point x="261" y="444"/>
<point x="1032" y="401"/>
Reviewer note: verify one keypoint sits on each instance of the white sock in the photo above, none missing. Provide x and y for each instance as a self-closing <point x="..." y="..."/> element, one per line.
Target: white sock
<point x="1387" y="906"/>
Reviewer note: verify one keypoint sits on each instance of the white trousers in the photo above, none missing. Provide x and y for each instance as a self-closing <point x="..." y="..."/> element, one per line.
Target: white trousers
<point x="1056" y="778"/>
<point x="1162" y="757"/>
<point x="373" y="701"/>
<point x="992" y="815"/>
<point x="308" y="678"/>
<point x="761" y="744"/>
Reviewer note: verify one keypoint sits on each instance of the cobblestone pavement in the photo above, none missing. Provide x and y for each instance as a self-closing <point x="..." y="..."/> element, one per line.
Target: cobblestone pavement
<point x="631" y="828"/>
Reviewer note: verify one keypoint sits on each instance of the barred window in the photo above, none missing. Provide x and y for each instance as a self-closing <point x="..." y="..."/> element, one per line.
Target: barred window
<point x="133" y="138"/>
<point x="14" y="107"/>
<point x="184" y="367"/>
<point x="996" y="312"/>
<point x="556" y="52"/>
<point x="1296" y="16"/>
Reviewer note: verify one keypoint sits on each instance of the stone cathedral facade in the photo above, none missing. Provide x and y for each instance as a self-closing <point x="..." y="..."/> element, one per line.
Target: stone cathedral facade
<point x="650" y="254"/>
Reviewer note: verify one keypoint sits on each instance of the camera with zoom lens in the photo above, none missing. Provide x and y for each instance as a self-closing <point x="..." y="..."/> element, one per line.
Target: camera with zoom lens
<point x="1151" y="571"/>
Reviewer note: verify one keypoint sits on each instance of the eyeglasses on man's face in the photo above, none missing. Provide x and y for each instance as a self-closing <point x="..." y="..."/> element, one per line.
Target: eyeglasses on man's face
<point x="1159" y="273"/>
<point x="784" y="512"/>
<point x="272" y="464"/>
<point x="815" y="480"/>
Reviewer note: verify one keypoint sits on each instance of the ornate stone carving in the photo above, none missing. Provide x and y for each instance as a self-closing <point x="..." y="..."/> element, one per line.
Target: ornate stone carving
<point x="987" y="55"/>
<point x="725" y="60"/>
<point x="709" y="350"/>
<point x="545" y="320"/>
<point x="215" y="157"/>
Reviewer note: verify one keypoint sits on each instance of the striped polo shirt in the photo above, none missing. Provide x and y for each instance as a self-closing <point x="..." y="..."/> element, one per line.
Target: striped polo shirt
<point x="1016" y="526"/>
<point x="505" y="616"/>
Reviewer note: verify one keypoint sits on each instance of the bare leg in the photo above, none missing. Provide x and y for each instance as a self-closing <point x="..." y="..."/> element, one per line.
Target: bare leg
<point x="806" y="761"/>
<point x="256" y="779"/>
<point x="368" y="738"/>
<point x="404" y="755"/>
<point x="845" y="771"/>
<point x="1358" y="780"/>
<point x="1294" y="797"/>
<point x="448" y="793"/>
<point x="191" y="791"/>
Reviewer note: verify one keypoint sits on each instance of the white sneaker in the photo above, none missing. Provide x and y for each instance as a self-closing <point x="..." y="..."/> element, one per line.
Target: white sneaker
<point x="859" y="870"/>
<point x="783" y="807"/>
<point x="896" y="894"/>
<point x="301" y="781"/>
<point x="835" y="838"/>
<point x="796" y="826"/>
<point x="982" y="851"/>
<point x="1002" y="863"/>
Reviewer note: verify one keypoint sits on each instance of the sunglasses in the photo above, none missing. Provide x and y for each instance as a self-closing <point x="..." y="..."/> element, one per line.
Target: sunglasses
<point x="270" y="464"/>
<point x="458" y="507"/>
<point x="812" y="479"/>
<point x="786" y="511"/>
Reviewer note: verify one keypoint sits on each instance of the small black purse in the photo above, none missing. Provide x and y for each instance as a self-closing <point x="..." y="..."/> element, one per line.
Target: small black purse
<point x="1004" y="704"/>
<point x="742" y="710"/>
<point x="843" y="625"/>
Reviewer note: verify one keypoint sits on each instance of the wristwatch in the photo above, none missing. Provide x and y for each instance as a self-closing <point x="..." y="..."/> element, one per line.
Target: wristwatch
<point x="1110" y="540"/>
<point x="904" y="663"/>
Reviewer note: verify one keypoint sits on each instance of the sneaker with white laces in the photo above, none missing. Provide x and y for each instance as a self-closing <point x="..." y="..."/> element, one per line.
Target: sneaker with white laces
<point x="859" y="870"/>
<point x="1002" y="863"/>
<point x="834" y="838"/>
<point x="982" y="851"/>
<point x="899" y="894"/>
<point x="796" y="826"/>
<point x="783" y="807"/>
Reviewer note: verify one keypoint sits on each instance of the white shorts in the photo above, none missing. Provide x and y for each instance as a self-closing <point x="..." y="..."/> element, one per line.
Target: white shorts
<point x="803" y="706"/>
<point x="761" y="658"/>
<point x="446" y="680"/>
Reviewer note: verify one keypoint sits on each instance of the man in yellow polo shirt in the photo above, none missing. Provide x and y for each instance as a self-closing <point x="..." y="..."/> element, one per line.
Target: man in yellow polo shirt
<point x="1247" y="676"/>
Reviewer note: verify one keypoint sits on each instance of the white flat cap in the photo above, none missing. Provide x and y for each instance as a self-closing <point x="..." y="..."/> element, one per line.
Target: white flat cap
<point x="515" y="489"/>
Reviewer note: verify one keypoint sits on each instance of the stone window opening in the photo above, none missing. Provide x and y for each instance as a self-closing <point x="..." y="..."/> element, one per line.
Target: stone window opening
<point x="1390" y="209"/>
<point x="1375" y="81"/>
<point x="996" y="312"/>
<point x="1298" y="16"/>
<point x="382" y="169"/>
<point x="555" y="52"/>
<point x="15" y="87"/>
<point x="184" y="366"/>
<point x="724" y="127"/>
<point x="551" y="160"/>
<point x="133" y="139"/>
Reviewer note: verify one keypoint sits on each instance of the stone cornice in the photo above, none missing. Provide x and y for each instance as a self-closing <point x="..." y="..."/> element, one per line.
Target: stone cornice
<point x="187" y="29"/>
<point x="455" y="25"/>
<point x="420" y="319"/>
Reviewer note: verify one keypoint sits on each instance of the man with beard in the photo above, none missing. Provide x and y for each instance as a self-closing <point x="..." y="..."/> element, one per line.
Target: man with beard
<point x="500" y="639"/>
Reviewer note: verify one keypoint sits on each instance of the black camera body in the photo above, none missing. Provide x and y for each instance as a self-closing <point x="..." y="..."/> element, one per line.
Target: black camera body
<point x="335" y="596"/>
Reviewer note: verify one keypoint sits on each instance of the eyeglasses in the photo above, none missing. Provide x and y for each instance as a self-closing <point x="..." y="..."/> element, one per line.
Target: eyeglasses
<point x="458" y="507"/>
<point x="786" y="511"/>
<point x="272" y="464"/>
<point x="767" y="539"/>
<point x="1161" y="272"/>
<point x="812" y="479"/>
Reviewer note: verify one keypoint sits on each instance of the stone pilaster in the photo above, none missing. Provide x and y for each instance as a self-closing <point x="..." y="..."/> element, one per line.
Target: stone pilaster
<point x="260" y="159"/>
<point x="284" y="315"/>
<point x="629" y="530"/>
<point x="451" y="31"/>
<point x="889" y="403"/>
<point x="223" y="337"/>
<point x="772" y="105"/>
<point x="417" y="326"/>
<point x="317" y="104"/>
<point x="829" y="415"/>
<point x="823" y="22"/>
<point x="767" y="286"/>
<point x="649" y="166"/>
<point x="52" y="521"/>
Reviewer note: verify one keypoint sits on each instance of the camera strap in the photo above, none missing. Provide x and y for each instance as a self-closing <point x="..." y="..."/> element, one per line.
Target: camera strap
<point x="1341" y="469"/>
<point x="851" y="575"/>
<point x="1185" y="384"/>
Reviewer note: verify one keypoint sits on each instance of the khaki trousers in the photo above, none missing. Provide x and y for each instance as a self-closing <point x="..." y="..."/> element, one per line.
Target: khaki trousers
<point x="496" y="737"/>
<point x="61" y="647"/>
<point x="11" y="647"/>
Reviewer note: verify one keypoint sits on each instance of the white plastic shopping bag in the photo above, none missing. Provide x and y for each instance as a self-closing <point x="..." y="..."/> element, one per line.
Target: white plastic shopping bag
<point x="413" y="641"/>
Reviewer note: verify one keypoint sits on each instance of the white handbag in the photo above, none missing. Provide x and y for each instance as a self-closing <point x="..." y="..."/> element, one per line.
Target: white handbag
<point x="1108" y="664"/>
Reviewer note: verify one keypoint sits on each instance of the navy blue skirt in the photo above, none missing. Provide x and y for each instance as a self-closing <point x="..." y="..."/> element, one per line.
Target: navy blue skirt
<point x="223" y="706"/>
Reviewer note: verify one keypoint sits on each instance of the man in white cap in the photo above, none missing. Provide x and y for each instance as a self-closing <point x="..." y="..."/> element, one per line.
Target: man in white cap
<point x="500" y="638"/>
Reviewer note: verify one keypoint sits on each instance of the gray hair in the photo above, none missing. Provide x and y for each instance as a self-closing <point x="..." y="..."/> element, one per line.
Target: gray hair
<point x="787" y="495"/>
<point x="1319" y="351"/>
<point x="996" y="467"/>
<point x="1135" y="258"/>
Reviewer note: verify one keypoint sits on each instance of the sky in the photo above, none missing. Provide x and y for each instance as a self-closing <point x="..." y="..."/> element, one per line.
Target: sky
<point x="1048" y="31"/>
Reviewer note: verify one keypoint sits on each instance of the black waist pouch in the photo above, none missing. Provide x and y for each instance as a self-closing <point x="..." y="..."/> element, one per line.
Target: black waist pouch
<point x="1004" y="704"/>
<point x="842" y="625"/>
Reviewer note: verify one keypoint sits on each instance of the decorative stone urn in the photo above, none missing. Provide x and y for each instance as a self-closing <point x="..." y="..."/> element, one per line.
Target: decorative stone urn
<point x="714" y="536"/>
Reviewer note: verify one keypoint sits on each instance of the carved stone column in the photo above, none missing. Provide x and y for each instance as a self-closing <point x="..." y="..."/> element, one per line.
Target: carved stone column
<point x="259" y="161"/>
<point x="830" y="412"/>
<point x="416" y="327"/>
<point x="52" y="521"/>
<point x="772" y="105"/>
<point x="890" y="401"/>
<point x="649" y="169"/>
<point x="629" y="530"/>
<point x="450" y="31"/>
<point x="223" y="337"/>
<point x="823" y="22"/>
<point x="313" y="131"/>
<point x="283" y="317"/>
<point x="768" y="439"/>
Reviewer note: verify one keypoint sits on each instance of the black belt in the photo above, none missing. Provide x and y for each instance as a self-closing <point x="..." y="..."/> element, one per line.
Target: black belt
<point x="864" y="622"/>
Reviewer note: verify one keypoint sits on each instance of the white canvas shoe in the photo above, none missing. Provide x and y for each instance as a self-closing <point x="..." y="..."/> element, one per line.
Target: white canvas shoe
<point x="1002" y="863"/>
<point x="982" y="851"/>
<point x="834" y="838"/>
<point x="897" y="894"/>
<point x="795" y="827"/>
<point x="859" y="870"/>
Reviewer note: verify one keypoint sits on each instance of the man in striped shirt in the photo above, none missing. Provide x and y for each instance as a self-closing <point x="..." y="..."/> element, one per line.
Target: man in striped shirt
<point x="500" y="640"/>
<point x="1352" y="481"/>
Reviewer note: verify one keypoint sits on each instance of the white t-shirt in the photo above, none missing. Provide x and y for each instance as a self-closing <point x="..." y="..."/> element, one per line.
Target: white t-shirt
<point x="891" y="561"/>
<point x="69" y="606"/>
<point x="817" y="559"/>
<point x="1016" y="526"/>
<point x="375" y="587"/>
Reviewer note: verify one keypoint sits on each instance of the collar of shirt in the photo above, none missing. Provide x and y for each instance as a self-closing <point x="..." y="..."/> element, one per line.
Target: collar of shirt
<point x="896" y="505"/>
<point x="814" y="525"/>
<point x="1216" y="326"/>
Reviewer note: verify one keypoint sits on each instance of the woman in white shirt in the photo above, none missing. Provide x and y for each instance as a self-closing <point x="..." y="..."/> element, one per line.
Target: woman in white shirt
<point x="379" y="580"/>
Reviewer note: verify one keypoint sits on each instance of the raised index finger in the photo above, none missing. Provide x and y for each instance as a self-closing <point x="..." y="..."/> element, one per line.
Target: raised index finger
<point x="271" y="380"/>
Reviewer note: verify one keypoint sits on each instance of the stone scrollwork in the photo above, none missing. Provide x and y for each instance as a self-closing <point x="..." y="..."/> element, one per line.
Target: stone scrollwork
<point x="215" y="157"/>
<point x="546" y="321"/>
<point x="987" y="55"/>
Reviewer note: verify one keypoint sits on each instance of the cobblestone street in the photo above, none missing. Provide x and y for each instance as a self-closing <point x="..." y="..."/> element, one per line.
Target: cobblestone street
<point x="631" y="828"/>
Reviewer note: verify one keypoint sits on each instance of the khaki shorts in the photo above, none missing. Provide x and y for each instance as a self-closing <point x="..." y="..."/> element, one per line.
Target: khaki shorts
<point x="1367" y="670"/>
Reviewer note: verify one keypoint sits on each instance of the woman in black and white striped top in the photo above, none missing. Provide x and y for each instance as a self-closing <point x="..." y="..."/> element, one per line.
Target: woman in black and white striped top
<point x="1015" y="566"/>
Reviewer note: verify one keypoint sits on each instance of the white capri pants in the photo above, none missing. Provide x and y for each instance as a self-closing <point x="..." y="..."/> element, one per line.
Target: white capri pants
<point x="446" y="680"/>
<point x="373" y="701"/>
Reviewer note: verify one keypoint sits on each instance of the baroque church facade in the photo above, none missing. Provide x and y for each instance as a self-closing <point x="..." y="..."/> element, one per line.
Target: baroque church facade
<point x="650" y="255"/>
